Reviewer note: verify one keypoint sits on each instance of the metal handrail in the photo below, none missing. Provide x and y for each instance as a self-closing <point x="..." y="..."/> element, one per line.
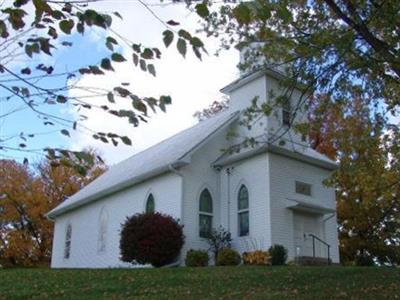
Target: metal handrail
<point x="314" y="237"/>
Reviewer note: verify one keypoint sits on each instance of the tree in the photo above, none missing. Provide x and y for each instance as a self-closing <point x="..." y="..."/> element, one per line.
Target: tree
<point x="214" y="108"/>
<point x="348" y="52"/>
<point x="26" y="195"/>
<point x="323" y="46"/>
<point x="34" y="29"/>
<point x="367" y="181"/>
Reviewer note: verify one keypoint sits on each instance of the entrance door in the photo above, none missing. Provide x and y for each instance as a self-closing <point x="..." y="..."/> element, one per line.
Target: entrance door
<point x="304" y="225"/>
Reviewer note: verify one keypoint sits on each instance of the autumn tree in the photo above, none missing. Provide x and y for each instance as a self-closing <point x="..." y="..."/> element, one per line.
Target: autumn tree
<point x="30" y="30"/>
<point x="26" y="195"/>
<point x="359" y="136"/>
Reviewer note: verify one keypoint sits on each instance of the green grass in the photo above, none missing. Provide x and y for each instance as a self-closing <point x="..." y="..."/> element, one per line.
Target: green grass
<point x="203" y="283"/>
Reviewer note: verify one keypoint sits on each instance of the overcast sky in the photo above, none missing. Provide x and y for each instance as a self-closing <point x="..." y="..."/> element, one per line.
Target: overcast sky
<point x="192" y="84"/>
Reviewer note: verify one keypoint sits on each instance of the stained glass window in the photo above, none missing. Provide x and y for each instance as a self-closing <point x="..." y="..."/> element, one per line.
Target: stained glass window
<point x="243" y="211"/>
<point x="206" y="214"/>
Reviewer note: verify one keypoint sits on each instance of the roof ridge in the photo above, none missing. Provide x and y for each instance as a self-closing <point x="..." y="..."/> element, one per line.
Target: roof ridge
<point x="172" y="136"/>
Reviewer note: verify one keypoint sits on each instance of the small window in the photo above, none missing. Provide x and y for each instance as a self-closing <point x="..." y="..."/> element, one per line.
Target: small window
<point x="286" y="113"/>
<point x="243" y="211"/>
<point x="206" y="214"/>
<point x="102" y="231"/>
<point x="150" y="204"/>
<point x="68" y="237"/>
<point x="303" y="188"/>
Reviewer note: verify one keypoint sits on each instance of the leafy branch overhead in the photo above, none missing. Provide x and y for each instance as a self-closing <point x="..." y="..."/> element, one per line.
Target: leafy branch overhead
<point x="52" y="27"/>
<point x="327" y="46"/>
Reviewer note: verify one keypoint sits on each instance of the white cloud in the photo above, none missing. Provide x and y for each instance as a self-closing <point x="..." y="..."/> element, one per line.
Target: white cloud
<point x="192" y="84"/>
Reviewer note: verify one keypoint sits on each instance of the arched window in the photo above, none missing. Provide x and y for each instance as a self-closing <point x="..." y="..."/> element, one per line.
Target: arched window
<point x="103" y="220"/>
<point x="206" y="214"/>
<point x="243" y="211"/>
<point x="150" y="204"/>
<point x="68" y="237"/>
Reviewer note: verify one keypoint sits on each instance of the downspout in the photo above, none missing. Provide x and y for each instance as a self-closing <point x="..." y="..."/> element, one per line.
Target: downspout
<point x="177" y="172"/>
<point x="228" y="173"/>
<point x="324" y="223"/>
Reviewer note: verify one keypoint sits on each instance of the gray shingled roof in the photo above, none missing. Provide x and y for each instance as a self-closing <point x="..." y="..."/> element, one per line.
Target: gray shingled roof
<point x="153" y="161"/>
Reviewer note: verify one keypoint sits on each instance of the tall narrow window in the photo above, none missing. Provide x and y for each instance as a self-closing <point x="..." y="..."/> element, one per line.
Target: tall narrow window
<point x="103" y="220"/>
<point x="286" y="112"/>
<point x="243" y="211"/>
<point x="150" y="204"/>
<point x="206" y="214"/>
<point x="68" y="237"/>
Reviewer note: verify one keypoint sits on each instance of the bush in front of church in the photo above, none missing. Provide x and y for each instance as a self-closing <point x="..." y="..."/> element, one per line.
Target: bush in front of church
<point x="151" y="238"/>
<point x="228" y="257"/>
<point x="278" y="255"/>
<point x="196" y="258"/>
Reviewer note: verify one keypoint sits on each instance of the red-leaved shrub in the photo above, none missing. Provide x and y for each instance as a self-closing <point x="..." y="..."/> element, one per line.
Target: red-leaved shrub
<point x="151" y="238"/>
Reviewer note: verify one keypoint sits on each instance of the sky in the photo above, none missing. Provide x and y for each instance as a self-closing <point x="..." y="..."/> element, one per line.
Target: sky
<point x="192" y="84"/>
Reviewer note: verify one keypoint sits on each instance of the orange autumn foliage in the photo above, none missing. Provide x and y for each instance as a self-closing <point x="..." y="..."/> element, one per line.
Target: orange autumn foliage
<point x="26" y="195"/>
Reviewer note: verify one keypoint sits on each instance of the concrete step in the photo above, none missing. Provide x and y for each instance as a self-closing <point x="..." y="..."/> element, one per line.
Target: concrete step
<point x="312" y="261"/>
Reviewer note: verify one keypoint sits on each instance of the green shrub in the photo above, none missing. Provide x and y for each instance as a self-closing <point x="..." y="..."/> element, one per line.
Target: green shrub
<point x="278" y="255"/>
<point x="196" y="258"/>
<point x="364" y="260"/>
<point x="228" y="257"/>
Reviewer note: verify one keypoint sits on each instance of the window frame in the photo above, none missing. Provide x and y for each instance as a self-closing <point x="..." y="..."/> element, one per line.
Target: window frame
<point x="102" y="234"/>
<point x="241" y="211"/>
<point x="203" y="213"/>
<point x="68" y="242"/>
<point x="298" y="191"/>
<point x="150" y="197"/>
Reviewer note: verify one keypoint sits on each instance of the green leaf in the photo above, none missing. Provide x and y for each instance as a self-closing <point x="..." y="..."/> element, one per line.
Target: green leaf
<point x="117" y="57"/>
<point x="184" y="34"/>
<point x="41" y="6"/>
<point x="151" y="69"/>
<point x="147" y="54"/>
<point x="66" y="26"/>
<point x="110" y="42"/>
<point x="164" y="100"/>
<point x="168" y="37"/>
<point x="143" y="65"/>
<point x="172" y="23"/>
<point x="139" y="105"/>
<point x="118" y="15"/>
<point x="242" y="13"/>
<point x="126" y="140"/>
<point x="61" y="99"/>
<point x="196" y="42"/>
<point x="110" y="97"/>
<point x="202" y="10"/>
<point x="181" y="45"/>
<point x="106" y="64"/>
<point x="135" y="59"/>
<point x="65" y="132"/>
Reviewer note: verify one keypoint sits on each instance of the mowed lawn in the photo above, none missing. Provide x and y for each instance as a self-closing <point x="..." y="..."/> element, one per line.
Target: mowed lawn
<point x="203" y="283"/>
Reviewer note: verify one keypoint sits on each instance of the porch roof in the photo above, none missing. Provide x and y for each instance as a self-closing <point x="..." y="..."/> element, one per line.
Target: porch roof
<point x="304" y="206"/>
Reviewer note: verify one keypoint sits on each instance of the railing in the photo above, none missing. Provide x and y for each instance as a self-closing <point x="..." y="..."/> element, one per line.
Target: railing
<point x="314" y="237"/>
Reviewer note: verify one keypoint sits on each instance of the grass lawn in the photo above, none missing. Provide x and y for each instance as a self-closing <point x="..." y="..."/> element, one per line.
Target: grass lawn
<point x="203" y="283"/>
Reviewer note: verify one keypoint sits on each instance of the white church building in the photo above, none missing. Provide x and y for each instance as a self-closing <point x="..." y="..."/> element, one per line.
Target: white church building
<point x="265" y="194"/>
